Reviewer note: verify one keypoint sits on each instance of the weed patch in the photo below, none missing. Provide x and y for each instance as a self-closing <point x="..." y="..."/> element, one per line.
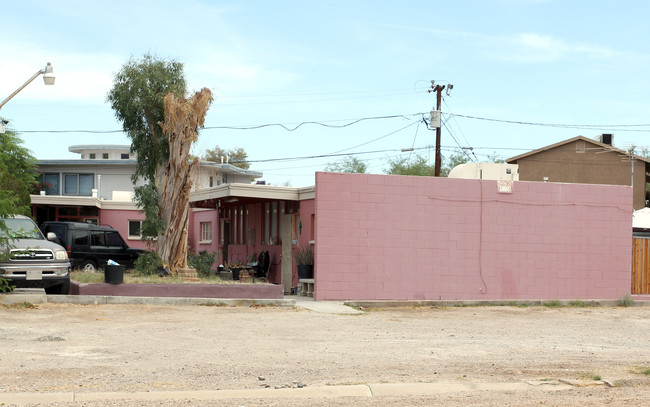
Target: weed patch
<point x="20" y="305"/>
<point x="626" y="301"/>
<point x="552" y="304"/>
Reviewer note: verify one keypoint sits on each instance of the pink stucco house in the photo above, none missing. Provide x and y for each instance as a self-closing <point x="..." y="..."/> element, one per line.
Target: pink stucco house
<point x="420" y="238"/>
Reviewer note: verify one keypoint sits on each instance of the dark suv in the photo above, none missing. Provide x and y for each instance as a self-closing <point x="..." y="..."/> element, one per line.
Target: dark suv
<point x="28" y="260"/>
<point x="90" y="246"/>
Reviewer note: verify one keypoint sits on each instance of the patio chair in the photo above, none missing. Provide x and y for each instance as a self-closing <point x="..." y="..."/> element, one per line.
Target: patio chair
<point x="261" y="270"/>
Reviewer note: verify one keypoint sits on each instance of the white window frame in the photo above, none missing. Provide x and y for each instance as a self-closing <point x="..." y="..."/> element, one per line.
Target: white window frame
<point x="206" y="232"/>
<point x="130" y="236"/>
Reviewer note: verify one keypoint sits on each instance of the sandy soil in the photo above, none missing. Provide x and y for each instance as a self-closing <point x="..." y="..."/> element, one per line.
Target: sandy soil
<point x="73" y="348"/>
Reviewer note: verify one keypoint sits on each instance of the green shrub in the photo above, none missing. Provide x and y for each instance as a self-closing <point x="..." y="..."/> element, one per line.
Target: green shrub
<point x="147" y="264"/>
<point x="626" y="301"/>
<point x="579" y="304"/>
<point x="5" y="286"/>
<point x="552" y="304"/>
<point x="202" y="262"/>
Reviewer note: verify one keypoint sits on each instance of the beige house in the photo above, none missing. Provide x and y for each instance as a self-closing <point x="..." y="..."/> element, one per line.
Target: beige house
<point x="586" y="161"/>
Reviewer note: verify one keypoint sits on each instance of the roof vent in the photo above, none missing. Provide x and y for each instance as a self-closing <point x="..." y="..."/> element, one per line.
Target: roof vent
<point x="605" y="139"/>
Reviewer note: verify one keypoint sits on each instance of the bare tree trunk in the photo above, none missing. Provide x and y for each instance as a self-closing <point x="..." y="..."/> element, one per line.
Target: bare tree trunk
<point x="182" y="121"/>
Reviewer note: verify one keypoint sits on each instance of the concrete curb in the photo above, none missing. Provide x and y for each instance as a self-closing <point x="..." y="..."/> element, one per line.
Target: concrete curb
<point x="38" y="296"/>
<point x="488" y="303"/>
<point x="360" y="390"/>
<point x="42" y="298"/>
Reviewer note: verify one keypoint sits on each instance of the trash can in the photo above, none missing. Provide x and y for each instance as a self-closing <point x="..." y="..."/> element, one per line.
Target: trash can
<point x="114" y="274"/>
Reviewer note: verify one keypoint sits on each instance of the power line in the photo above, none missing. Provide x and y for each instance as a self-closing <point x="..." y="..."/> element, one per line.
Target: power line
<point x="618" y="127"/>
<point x="455" y="121"/>
<point x="324" y="123"/>
<point x="319" y="123"/>
<point x="319" y="156"/>
<point x="378" y="138"/>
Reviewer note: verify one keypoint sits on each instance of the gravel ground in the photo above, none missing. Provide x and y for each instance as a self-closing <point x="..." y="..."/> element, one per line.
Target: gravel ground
<point x="135" y="348"/>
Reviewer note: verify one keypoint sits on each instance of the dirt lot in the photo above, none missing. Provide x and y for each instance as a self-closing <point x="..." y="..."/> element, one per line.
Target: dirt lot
<point x="73" y="348"/>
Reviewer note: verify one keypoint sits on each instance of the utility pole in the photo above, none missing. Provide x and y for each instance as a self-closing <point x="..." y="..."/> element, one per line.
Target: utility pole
<point x="435" y="121"/>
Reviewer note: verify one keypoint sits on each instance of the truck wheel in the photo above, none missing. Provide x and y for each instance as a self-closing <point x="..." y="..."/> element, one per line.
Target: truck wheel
<point x="89" y="266"/>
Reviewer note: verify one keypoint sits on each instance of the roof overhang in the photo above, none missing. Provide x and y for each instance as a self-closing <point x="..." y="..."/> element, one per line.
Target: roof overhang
<point x="86" y="162"/>
<point x="227" y="168"/>
<point x="57" y="200"/>
<point x="246" y="193"/>
<point x="80" y="148"/>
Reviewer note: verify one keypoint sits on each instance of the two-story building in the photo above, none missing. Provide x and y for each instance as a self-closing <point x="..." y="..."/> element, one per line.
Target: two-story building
<point x="581" y="160"/>
<point x="97" y="187"/>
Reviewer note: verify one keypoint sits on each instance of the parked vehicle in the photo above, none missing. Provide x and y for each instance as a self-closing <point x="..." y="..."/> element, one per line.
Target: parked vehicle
<point x="28" y="260"/>
<point x="90" y="246"/>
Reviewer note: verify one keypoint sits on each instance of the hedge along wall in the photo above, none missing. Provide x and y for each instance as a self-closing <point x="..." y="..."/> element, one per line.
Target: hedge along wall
<point x="420" y="238"/>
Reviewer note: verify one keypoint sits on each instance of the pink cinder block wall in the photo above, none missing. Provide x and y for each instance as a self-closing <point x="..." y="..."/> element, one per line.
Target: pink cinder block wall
<point x="420" y="238"/>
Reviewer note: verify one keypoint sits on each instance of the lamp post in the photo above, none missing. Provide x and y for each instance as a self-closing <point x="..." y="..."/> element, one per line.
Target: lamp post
<point x="48" y="78"/>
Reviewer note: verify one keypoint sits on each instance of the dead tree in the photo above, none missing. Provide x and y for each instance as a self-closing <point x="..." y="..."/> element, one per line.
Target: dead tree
<point x="183" y="118"/>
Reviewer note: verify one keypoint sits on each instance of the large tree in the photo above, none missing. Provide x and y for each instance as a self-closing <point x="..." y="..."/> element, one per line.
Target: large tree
<point x="236" y="156"/>
<point x="419" y="165"/>
<point x="348" y="164"/>
<point x="148" y="97"/>
<point x="183" y="118"/>
<point x="18" y="175"/>
<point x="137" y="98"/>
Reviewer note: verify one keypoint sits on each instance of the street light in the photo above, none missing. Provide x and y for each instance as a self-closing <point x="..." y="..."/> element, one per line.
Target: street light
<point x="48" y="78"/>
<point x="48" y="75"/>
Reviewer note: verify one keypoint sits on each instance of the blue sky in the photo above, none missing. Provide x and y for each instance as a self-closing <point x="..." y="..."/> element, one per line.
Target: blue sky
<point x="334" y="62"/>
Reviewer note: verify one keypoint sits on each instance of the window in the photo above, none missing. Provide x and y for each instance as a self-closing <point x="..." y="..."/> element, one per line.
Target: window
<point x="206" y="232"/>
<point x="97" y="238"/>
<point x="134" y="229"/>
<point x="114" y="239"/>
<point x="91" y="156"/>
<point x="272" y="213"/>
<point x="233" y="220"/>
<point x="124" y="156"/>
<point x="241" y="225"/>
<point x="105" y="156"/>
<point x="267" y="220"/>
<point x="78" y="184"/>
<point x="80" y="237"/>
<point x="210" y="182"/>
<point x="274" y="222"/>
<point x="50" y="183"/>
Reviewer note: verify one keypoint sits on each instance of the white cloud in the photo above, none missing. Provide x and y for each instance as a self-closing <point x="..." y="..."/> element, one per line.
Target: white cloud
<point x="523" y="47"/>
<point x="529" y="47"/>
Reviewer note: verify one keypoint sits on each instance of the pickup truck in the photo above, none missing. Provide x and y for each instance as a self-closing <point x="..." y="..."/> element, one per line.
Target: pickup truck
<point x="28" y="260"/>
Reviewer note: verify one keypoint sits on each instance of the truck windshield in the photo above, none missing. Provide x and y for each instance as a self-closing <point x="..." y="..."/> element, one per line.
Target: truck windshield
<point x="19" y="229"/>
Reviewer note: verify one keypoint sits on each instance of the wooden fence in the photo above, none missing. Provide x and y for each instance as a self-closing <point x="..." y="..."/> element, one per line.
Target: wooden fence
<point x="641" y="266"/>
